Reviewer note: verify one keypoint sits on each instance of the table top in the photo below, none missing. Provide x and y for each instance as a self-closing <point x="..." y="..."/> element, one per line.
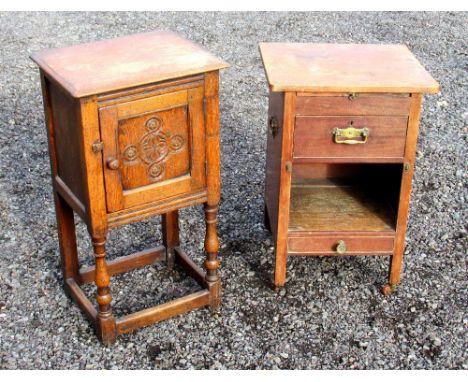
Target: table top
<point x="307" y="67"/>
<point x="119" y="63"/>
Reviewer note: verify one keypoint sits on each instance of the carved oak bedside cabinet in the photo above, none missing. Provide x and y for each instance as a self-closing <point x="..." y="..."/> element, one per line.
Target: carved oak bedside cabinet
<point x="343" y="124"/>
<point x="133" y="128"/>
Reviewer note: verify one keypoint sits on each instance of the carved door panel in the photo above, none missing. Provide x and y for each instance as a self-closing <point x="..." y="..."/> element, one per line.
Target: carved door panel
<point x="153" y="148"/>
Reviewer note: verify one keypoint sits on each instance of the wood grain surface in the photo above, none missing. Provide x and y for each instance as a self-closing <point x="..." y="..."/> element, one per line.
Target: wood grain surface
<point x="326" y="245"/>
<point x="356" y="104"/>
<point x="326" y="207"/>
<point x="137" y="149"/>
<point x="313" y="137"/>
<point x="306" y="67"/>
<point x="108" y="65"/>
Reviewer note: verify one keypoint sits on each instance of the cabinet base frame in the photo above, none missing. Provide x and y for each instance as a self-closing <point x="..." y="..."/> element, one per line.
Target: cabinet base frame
<point x="145" y="317"/>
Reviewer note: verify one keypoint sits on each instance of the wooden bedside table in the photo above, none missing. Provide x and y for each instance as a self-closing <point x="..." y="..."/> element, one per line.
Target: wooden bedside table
<point x="343" y="125"/>
<point x="133" y="128"/>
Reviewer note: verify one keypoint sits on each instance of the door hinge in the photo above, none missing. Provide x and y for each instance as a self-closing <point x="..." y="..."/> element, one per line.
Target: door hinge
<point x="274" y="126"/>
<point x="406" y="166"/>
<point x="288" y="166"/>
<point x="97" y="146"/>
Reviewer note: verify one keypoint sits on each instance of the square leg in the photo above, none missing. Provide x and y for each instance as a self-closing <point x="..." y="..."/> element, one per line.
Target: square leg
<point x="170" y="230"/>
<point x="280" y="270"/>
<point x="67" y="238"/>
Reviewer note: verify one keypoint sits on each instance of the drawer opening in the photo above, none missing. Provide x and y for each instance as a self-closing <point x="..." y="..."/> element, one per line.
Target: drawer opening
<point x="344" y="198"/>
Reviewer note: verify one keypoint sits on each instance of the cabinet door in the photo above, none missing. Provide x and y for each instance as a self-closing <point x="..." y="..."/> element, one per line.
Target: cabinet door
<point x="153" y="148"/>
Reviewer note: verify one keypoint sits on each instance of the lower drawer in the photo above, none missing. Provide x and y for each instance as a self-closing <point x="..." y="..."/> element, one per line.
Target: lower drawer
<point x="340" y="245"/>
<point x="350" y="137"/>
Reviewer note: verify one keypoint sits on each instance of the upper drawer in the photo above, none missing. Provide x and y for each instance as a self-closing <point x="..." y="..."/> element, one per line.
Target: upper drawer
<point x="353" y="104"/>
<point x="349" y="137"/>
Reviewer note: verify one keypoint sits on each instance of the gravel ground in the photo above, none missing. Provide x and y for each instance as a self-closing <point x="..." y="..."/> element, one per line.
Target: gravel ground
<point x="331" y="314"/>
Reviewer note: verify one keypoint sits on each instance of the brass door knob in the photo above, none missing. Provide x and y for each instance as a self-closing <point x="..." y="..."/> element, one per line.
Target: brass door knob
<point x="112" y="163"/>
<point x="341" y="247"/>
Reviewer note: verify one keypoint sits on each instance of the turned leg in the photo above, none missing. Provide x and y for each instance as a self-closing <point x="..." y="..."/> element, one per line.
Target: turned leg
<point x="67" y="239"/>
<point x="212" y="262"/>
<point x="213" y="185"/>
<point x="106" y="327"/>
<point x="170" y="230"/>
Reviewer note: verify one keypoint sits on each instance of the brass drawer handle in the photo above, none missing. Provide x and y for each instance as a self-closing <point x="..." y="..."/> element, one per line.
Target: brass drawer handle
<point x="341" y="247"/>
<point x="346" y="136"/>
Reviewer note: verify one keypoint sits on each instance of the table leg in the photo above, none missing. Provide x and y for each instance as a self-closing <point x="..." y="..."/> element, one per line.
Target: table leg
<point x="170" y="229"/>
<point x="212" y="262"/>
<point x="106" y="327"/>
<point x="280" y="268"/>
<point x="67" y="239"/>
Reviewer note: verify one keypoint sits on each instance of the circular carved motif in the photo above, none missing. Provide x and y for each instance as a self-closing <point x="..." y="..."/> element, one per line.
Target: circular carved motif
<point x="154" y="124"/>
<point x="176" y="142"/>
<point x="153" y="148"/>
<point x="155" y="170"/>
<point x="130" y="153"/>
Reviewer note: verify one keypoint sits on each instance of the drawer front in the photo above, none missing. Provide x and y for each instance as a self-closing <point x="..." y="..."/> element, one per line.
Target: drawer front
<point x="360" y="104"/>
<point x="354" y="244"/>
<point x="365" y="137"/>
<point x="153" y="148"/>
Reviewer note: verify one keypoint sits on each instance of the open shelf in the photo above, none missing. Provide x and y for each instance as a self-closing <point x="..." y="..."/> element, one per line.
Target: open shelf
<point x="331" y="205"/>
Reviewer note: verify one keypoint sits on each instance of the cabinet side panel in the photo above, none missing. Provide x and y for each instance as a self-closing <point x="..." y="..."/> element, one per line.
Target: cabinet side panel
<point x="68" y="142"/>
<point x="273" y="159"/>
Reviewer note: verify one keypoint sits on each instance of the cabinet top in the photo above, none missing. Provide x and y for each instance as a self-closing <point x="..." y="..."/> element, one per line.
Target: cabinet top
<point x="109" y="65"/>
<point x="307" y="67"/>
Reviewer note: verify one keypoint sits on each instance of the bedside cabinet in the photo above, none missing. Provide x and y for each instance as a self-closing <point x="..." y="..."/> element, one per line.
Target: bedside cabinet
<point x="133" y="128"/>
<point x="343" y="125"/>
